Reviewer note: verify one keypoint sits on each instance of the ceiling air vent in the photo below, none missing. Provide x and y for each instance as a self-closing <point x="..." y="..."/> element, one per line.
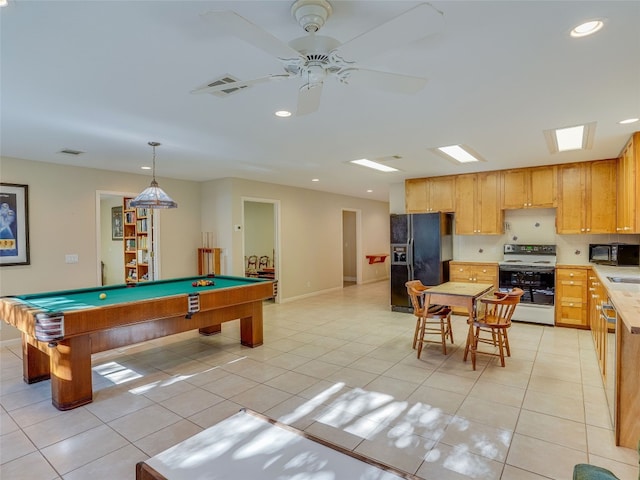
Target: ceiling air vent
<point x="69" y="151"/>
<point x="222" y="81"/>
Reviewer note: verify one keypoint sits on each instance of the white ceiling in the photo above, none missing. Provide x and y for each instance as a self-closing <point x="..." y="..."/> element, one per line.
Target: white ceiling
<point x="106" y="77"/>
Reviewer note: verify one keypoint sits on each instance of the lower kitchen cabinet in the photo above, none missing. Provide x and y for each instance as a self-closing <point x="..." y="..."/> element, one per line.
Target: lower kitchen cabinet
<point x="571" y="297"/>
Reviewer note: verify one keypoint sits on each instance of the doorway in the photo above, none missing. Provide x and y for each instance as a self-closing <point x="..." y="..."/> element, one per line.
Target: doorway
<point x="350" y="248"/>
<point x="110" y="263"/>
<point x="260" y="240"/>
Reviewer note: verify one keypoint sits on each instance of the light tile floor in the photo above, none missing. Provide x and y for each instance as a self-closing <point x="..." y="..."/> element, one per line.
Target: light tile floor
<point x="340" y="366"/>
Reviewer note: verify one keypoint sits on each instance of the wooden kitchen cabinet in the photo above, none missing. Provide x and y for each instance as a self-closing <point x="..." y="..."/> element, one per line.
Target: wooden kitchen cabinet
<point x="571" y="297"/>
<point x="478" y="204"/>
<point x="600" y="329"/>
<point x="432" y="194"/>
<point x="529" y="187"/>
<point x="628" y="214"/>
<point x="473" y="272"/>
<point x="587" y="197"/>
<point x="415" y="195"/>
<point x="441" y="194"/>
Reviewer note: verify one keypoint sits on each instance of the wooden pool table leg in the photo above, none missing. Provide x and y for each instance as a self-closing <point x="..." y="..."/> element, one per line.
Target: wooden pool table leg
<point x="35" y="363"/>
<point x="251" y="327"/>
<point x="71" y="384"/>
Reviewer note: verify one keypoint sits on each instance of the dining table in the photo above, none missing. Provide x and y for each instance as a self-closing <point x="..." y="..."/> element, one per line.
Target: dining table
<point x="458" y="294"/>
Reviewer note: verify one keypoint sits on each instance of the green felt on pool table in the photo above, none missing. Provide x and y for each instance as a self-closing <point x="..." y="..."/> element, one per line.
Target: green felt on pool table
<point x="67" y="300"/>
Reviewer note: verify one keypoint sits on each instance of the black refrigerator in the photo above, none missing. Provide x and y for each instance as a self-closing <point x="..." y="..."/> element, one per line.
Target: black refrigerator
<point x="421" y="248"/>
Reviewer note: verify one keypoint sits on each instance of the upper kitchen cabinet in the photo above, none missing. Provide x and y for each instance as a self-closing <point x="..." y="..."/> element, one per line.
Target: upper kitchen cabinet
<point x="415" y="195"/>
<point x="587" y="197"/>
<point x="433" y="194"/>
<point x="477" y="206"/>
<point x="529" y="188"/>
<point x="629" y="187"/>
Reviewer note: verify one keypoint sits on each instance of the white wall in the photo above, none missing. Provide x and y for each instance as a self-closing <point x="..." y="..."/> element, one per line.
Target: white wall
<point x="62" y="220"/>
<point x="311" y="232"/>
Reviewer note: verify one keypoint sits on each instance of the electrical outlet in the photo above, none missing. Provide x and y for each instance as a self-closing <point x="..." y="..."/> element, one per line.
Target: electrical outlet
<point x="71" y="258"/>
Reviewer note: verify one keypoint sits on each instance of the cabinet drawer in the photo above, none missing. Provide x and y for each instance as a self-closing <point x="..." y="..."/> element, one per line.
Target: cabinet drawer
<point x="575" y="275"/>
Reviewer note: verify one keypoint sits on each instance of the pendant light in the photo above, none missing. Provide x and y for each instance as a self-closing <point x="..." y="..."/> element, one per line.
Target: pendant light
<point x="153" y="196"/>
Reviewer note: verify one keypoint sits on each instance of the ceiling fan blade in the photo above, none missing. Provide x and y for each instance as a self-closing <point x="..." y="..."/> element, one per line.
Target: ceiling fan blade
<point x="221" y="86"/>
<point x="233" y="24"/>
<point x="418" y="22"/>
<point x="392" y="82"/>
<point x="309" y="98"/>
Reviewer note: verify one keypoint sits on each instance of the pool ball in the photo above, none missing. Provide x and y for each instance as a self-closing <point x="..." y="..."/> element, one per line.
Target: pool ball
<point x="103" y="296"/>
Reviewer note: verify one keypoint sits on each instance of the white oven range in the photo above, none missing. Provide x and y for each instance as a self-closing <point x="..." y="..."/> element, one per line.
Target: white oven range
<point x="530" y="267"/>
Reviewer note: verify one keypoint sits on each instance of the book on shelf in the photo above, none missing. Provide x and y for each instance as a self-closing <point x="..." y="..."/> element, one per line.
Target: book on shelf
<point x="141" y="225"/>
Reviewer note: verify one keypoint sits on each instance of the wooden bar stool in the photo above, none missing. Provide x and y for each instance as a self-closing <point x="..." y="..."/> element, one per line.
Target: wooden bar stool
<point x="494" y="319"/>
<point x="432" y="320"/>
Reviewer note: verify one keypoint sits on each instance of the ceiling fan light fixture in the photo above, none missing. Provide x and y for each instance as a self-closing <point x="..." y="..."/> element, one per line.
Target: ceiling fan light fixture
<point x="311" y="14"/>
<point x="153" y="196"/>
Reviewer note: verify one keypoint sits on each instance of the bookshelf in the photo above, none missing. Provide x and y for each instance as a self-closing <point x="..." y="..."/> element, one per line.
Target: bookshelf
<point x="137" y="243"/>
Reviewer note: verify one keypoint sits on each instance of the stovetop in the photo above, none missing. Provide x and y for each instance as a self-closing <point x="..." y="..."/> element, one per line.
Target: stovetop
<point x="525" y="255"/>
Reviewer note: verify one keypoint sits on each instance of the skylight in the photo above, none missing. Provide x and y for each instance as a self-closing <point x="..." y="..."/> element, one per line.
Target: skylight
<point x="565" y="139"/>
<point x="458" y="153"/>
<point x="569" y="138"/>
<point x="376" y="166"/>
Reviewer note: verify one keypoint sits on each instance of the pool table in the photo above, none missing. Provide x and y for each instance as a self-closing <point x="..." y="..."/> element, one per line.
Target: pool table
<point x="60" y="330"/>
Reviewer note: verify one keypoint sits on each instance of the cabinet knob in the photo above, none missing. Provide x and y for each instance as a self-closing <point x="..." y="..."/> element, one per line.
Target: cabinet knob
<point x="588" y="229"/>
<point x="571" y="274"/>
<point x="484" y="270"/>
<point x="571" y="304"/>
<point x="571" y="282"/>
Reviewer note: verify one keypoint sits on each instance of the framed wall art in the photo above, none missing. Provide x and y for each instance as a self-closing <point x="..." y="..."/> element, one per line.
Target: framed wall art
<point x="14" y="224"/>
<point x="117" y="229"/>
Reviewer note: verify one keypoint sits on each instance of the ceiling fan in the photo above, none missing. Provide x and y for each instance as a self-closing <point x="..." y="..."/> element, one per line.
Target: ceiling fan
<point x="313" y="58"/>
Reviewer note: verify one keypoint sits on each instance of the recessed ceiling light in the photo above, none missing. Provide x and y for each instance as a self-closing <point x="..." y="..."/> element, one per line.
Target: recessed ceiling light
<point x="4" y="3"/>
<point x="369" y="191"/>
<point x="628" y="121"/>
<point x="145" y="168"/>
<point x="587" y="28"/>
<point x="578" y="137"/>
<point x="459" y="153"/>
<point x="376" y="166"/>
<point x="315" y="179"/>
<point x="283" y="113"/>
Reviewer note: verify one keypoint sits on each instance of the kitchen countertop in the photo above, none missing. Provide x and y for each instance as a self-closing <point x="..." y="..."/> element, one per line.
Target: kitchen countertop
<point x="624" y="296"/>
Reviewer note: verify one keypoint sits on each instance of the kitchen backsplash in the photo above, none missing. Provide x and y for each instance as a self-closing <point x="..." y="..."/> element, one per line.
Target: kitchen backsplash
<point x="536" y="225"/>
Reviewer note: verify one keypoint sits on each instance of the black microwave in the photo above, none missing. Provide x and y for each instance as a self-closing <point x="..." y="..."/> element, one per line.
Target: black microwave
<point x="618" y="254"/>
